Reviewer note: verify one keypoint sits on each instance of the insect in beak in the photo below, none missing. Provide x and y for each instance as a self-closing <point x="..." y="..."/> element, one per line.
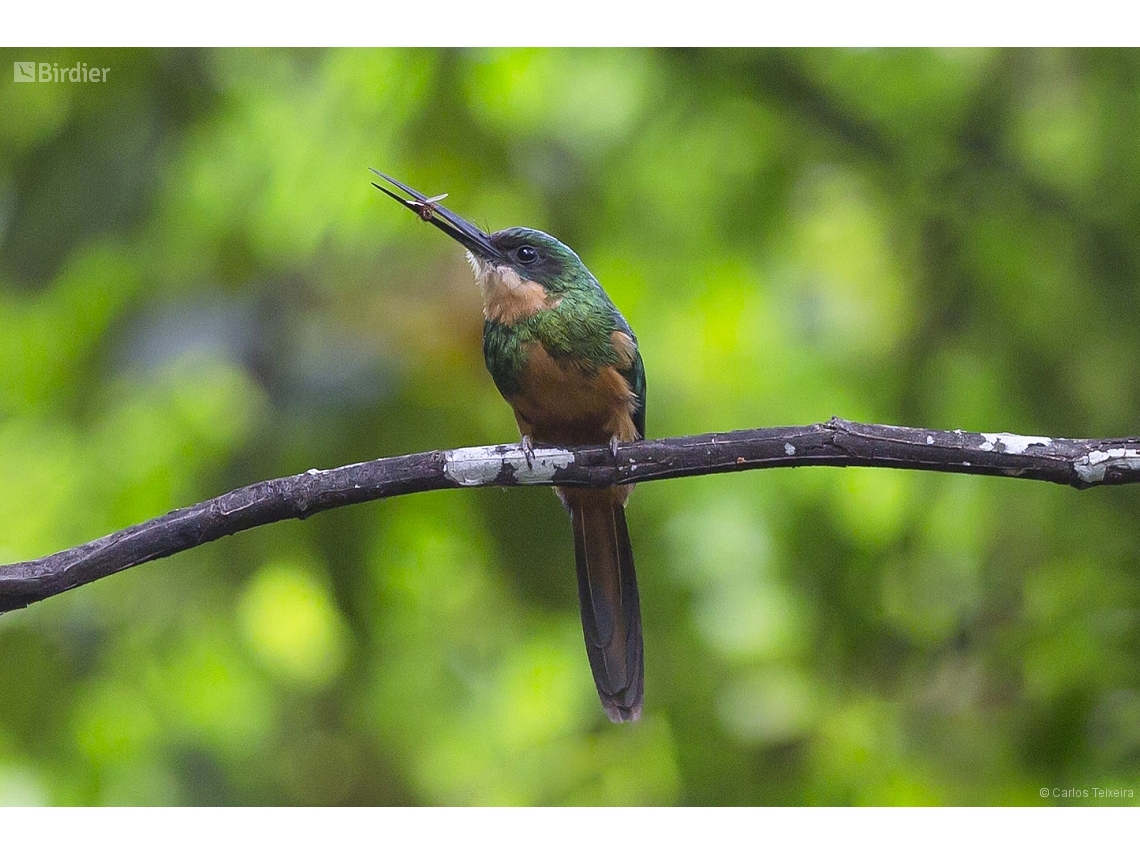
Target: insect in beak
<point x="426" y="208"/>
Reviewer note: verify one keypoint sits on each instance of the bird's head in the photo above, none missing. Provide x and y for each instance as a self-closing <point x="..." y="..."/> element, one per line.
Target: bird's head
<point x="506" y="258"/>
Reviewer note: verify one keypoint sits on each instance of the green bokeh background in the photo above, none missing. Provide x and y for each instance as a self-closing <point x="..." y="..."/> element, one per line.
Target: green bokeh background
<point x="199" y="289"/>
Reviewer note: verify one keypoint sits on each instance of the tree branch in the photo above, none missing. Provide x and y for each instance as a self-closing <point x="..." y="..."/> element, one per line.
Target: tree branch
<point x="1076" y="462"/>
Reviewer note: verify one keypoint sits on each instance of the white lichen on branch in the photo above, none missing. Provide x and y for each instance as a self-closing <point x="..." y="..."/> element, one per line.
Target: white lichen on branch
<point x="1012" y="443"/>
<point x="1094" y="466"/>
<point x="481" y="466"/>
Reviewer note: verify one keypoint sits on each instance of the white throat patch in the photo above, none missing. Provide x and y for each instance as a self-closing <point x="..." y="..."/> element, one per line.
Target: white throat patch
<point x="507" y="297"/>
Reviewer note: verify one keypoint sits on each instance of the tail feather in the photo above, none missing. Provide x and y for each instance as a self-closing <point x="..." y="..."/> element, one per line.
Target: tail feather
<point x="607" y="594"/>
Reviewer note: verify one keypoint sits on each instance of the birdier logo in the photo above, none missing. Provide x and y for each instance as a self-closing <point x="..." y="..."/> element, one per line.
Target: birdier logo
<point x="50" y="72"/>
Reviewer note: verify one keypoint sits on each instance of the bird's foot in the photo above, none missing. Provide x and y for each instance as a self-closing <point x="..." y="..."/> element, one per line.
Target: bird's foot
<point x="527" y="450"/>
<point x="614" y="447"/>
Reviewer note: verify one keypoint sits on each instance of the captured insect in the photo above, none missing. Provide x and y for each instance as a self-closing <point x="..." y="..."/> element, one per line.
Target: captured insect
<point x="426" y="207"/>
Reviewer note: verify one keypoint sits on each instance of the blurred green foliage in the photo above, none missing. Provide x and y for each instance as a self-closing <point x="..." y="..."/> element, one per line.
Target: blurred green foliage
<point x="199" y="289"/>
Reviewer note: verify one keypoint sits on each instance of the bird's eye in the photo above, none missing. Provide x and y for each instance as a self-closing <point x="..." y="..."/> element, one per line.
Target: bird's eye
<point x="527" y="254"/>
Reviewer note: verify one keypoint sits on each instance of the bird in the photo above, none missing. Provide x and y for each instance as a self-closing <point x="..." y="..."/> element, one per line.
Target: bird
<point x="568" y="363"/>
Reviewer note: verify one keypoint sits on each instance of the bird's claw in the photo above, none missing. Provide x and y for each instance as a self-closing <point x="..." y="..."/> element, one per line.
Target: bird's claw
<point x="614" y="447"/>
<point x="528" y="451"/>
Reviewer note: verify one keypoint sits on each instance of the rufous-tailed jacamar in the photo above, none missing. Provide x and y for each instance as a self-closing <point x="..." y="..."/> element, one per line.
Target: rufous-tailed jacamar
<point x="565" y="359"/>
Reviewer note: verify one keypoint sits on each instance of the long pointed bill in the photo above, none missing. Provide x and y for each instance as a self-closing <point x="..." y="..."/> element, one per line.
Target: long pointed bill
<point x="446" y="221"/>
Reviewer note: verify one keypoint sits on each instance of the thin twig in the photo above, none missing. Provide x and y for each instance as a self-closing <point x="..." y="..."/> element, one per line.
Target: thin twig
<point x="1075" y="462"/>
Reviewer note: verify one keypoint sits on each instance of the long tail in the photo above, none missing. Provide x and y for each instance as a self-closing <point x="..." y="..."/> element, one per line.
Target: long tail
<point x="607" y="593"/>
